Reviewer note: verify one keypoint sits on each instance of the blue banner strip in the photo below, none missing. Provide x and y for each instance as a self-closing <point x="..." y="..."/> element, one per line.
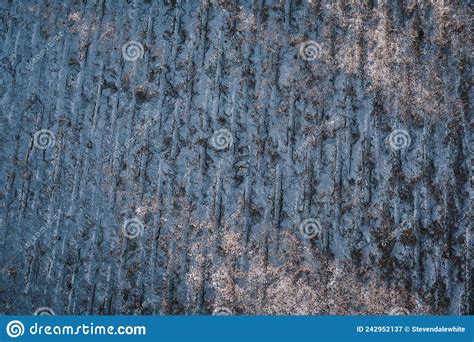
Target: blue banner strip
<point x="237" y="328"/>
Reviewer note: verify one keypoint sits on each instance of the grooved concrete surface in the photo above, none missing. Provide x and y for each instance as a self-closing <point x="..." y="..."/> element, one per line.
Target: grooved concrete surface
<point x="249" y="157"/>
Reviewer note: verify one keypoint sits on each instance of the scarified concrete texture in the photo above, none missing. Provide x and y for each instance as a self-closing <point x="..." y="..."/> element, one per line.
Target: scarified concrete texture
<point x="235" y="157"/>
